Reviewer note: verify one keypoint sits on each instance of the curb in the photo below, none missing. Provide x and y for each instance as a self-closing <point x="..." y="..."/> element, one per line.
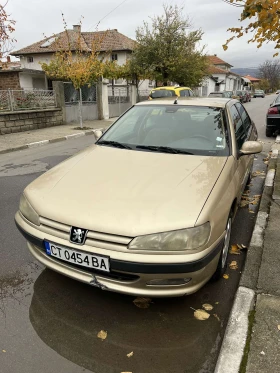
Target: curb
<point x="232" y="349"/>
<point x="45" y="142"/>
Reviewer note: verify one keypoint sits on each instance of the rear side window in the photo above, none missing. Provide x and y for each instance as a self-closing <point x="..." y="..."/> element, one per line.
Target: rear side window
<point x="185" y="93"/>
<point x="159" y="93"/>
<point x="245" y="118"/>
<point x="240" y="134"/>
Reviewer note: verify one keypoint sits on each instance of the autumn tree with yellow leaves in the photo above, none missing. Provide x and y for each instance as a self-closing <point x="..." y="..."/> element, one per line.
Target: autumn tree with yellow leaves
<point x="7" y="27"/>
<point x="74" y="61"/>
<point x="264" y="19"/>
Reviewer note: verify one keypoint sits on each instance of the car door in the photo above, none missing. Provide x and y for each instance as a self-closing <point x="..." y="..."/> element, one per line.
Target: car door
<point x="240" y="138"/>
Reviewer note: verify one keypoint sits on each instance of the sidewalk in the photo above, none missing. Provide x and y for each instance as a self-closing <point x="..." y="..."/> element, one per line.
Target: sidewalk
<point x="252" y="339"/>
<point x="38" y="137"/>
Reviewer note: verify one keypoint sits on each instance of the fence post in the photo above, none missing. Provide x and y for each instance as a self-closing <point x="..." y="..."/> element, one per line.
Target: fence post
<point x="58" y="88"/>
<point x="119" y="101"/>
<point x="10" y="99"/>
<point x="102" y="99"/>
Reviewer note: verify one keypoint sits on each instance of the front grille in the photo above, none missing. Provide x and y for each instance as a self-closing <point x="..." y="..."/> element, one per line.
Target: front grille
<point x="95" y="239"/>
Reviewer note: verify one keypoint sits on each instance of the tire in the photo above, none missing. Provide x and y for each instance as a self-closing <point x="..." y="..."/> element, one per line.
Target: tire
<point x="269" y="132"/>
<point x="222" y="264"/>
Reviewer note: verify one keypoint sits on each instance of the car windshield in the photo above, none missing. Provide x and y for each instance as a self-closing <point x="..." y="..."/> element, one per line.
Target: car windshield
<point x="159" y="93"/>
<point x="198" y="130"/>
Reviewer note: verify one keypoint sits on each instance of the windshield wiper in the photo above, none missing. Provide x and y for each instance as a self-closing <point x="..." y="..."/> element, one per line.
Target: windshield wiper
<point x="163" y="149"/>
<point x="113" y="143"/>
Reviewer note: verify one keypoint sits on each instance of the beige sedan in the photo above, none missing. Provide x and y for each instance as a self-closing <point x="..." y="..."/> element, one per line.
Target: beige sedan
<point x="148" y="209"/>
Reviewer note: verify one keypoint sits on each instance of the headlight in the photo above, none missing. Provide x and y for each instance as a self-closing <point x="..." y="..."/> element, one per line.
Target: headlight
<point x="183" y="239"/>
<point x="28" y="211"/>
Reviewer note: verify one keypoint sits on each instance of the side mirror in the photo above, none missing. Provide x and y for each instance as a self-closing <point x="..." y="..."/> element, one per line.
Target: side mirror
<point x="97" y="134"/>
<point x="250" y="147"/>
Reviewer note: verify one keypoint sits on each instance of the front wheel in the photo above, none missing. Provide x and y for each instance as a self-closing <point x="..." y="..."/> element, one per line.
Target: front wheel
<point x="221" y="268"/>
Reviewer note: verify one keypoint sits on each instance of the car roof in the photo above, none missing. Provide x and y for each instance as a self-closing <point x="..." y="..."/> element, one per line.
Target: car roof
<point x="169" y="88"/>
<point x="190" y="101"/>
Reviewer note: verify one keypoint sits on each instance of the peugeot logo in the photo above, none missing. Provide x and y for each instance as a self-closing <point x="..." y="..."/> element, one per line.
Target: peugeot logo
<point x="78" y="235"/>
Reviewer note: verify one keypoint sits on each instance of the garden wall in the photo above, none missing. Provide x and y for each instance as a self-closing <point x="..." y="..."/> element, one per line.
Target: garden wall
<point x="29" y="120"/>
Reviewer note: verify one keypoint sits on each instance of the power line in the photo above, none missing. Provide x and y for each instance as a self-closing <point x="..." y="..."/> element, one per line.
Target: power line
<point x="98" y="23"/>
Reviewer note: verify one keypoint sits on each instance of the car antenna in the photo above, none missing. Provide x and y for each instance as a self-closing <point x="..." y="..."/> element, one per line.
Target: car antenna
<point x="176" y="101"/>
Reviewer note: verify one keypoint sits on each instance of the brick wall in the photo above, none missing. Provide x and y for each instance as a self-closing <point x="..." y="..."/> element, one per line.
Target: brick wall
<point x="9" y="80"/>
<point x="29" y="120"/>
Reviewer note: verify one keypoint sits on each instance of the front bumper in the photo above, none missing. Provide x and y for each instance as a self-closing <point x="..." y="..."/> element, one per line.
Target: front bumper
<point x="130" y="277"/>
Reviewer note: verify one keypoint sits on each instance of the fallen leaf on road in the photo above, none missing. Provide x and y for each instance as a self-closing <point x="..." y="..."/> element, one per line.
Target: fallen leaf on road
<point x="102" y="335"/>
<point x="142" y="302"/>
<point x="216" y="302"/>
<point x="130" y="354"/>
<point x="4" y="351"/>
<point x="262" y="353"/>
<point x="258" y="173"/>
<point x="243" y="246"/>
<point x="234" y="250"/>
<point x="278" y="327"/>
<point x="251" y="211"/>
<point x="233" y="265"/>
<point x="207" y="307"/>
<point x="201" y="315"/>
<point x="217" y="317"/>
<point x="244" y="203"/>
<point x="226" y="277"/>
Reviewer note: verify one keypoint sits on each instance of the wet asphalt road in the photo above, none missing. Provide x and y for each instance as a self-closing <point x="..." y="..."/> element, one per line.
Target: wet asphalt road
<point x="49" y="323"/>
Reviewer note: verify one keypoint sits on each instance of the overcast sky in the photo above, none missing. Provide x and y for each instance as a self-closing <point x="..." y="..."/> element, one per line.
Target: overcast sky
<point x="35" y="18"/>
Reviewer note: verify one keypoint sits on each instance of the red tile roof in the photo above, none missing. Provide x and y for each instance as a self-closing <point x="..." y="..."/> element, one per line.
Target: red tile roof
<point x="251" y="78"/>
<point x="216" y="70"/>
<point x="214" y="60"/>
<point x="110" y="40"/>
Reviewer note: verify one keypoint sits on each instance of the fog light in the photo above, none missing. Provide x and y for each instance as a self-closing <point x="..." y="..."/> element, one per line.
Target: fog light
<point x="169" y="282"/>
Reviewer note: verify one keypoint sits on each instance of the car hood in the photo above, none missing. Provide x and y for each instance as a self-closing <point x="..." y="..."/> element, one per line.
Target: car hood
<point x="126" y="192"/>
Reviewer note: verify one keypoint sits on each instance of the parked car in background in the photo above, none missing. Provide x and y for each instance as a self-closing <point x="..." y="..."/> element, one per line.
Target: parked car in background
<point x="229" y="93"/>
<point x="248" y="95"/>
<point x="218" y="94"/>
<point x="155" y="216"/>
<point x="273" y="117"/>
<point x="278" y="91"/>
<point x="170" y="91"/>
<point x="259" y="93"/>
<point x="240" y="95"/>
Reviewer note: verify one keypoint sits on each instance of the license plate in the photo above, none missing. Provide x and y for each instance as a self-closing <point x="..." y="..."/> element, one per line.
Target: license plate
<point x="77" y="257"/>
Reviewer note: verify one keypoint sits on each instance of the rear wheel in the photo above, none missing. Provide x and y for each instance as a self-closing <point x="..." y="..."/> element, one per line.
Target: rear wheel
<point x="269" y="132"/>
<point x="222" y="265"/>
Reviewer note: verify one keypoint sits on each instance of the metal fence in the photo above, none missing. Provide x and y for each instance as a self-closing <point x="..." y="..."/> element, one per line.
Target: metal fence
<point x="118" y="95"/>
<point x="72" y="95"/>
<point x="142" y="95"/>
<point x="15" y="100"/>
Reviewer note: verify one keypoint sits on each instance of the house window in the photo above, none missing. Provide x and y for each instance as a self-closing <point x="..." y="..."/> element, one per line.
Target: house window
<point x="151" y="83"/>
<point x="30" y="59"/>
<point x="114" y="57"/>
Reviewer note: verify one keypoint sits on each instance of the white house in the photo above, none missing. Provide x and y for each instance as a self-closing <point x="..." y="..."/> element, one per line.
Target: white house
<point x="112" y="42"/>
<point x="220" y="77"/>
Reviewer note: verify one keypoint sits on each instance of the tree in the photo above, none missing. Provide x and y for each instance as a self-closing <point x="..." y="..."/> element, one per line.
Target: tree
<point x="6" y="29"/>
<point x="264" y="17"/>
<point x="167" y="52"/>
<point x="77" y="63"/>
<point x="262" y="84"/>
<point x="269" y="71"/>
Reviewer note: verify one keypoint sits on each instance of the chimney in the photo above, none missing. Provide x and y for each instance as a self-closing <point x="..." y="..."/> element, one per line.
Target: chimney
<point x="77" y="28"/>
<point x="8" y="59"/>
